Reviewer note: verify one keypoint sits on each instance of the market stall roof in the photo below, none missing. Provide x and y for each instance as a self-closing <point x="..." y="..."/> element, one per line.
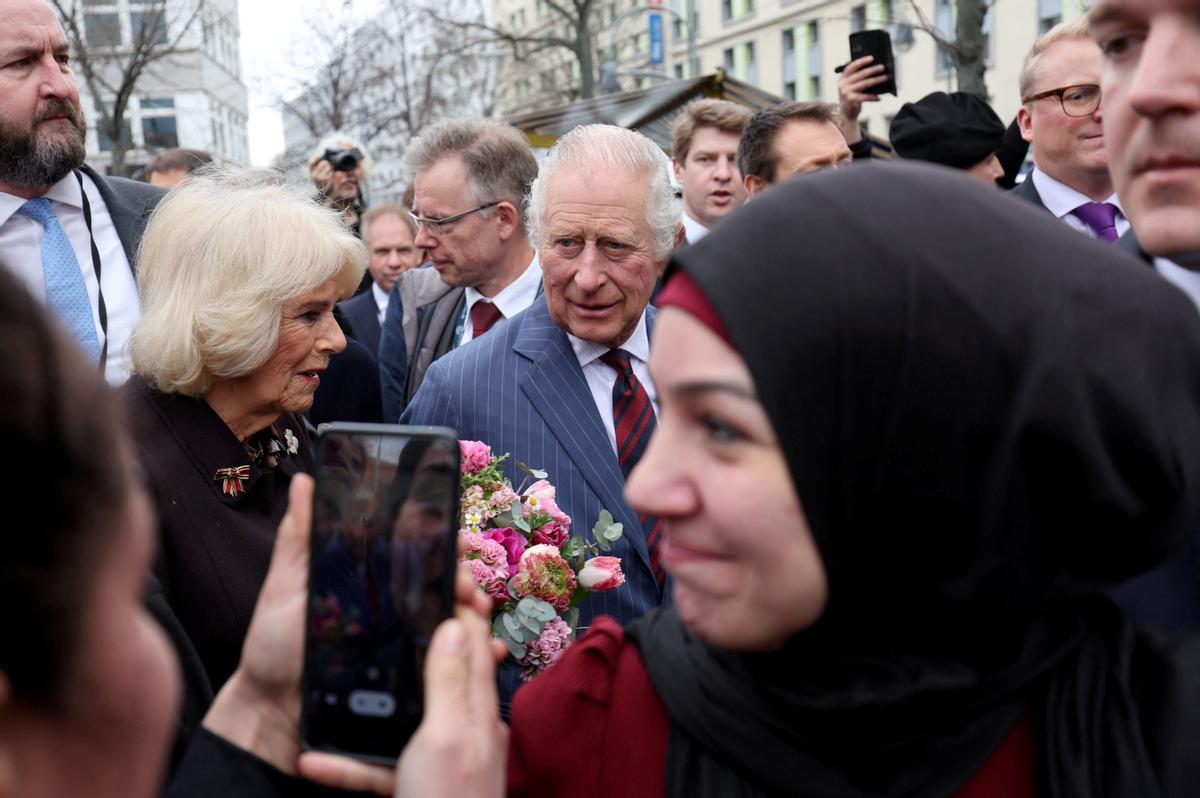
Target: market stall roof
<point x="649" y="111"/>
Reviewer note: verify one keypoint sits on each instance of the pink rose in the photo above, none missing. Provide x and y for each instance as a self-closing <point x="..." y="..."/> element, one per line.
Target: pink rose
<point x="478" y="547"/>
<point x="539" y="492"/>
<point x="545" y="651"/>
<point x="490" y="580"/>
<point x="475" y="455"/>
<point x="544" y="574"/>
<point x="550" y="534"/>
<point x="513" y="542"/>
<point x="601" y="573"/>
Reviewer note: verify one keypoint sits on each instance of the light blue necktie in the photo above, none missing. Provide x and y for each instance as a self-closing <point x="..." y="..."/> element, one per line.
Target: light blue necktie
<point x="65" y="289"/>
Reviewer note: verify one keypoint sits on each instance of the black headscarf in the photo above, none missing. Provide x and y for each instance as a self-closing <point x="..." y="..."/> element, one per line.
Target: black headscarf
<point x="987" y="417"/>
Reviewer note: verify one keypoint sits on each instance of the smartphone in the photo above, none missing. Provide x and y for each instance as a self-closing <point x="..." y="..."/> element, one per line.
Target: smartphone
<point x="877" y="43"/>
<point x="381" y="578"/>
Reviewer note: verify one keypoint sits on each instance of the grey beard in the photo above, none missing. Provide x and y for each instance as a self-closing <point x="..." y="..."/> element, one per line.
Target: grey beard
<point x="33" y="161"/>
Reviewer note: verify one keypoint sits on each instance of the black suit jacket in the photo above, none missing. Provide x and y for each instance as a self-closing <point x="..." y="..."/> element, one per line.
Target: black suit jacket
<point x="129" y="205"/>
<point x="363" y="314"/>
<point x="1028" y="192"/>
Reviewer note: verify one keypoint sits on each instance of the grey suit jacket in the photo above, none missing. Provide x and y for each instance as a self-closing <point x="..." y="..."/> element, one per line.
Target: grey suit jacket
<point x="520" y="390"/>
<point x="431" y="311"/>
<point x="1027" y="191"/>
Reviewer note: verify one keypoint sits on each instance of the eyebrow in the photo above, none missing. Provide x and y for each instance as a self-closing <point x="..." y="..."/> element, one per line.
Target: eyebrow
<point x="1104" y="13"/>
<point x="689" y="389"/>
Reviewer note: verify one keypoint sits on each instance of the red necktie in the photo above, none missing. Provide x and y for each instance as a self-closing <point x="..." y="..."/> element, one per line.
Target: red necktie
<point x="483" y="315"/>
<point x="633" y="420"/>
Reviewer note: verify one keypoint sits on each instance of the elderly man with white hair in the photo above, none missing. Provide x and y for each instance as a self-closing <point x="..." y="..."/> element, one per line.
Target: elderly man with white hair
<point x="563" y="386"/>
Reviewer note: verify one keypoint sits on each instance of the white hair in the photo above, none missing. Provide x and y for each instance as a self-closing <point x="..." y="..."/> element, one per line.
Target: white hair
<point x="220" y="257"/>
<point x="607" y="149"/>
<point x="340" y="141"/>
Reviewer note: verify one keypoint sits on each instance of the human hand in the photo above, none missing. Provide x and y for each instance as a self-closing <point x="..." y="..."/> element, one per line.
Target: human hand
<point x="461" y="746"/>
<point x="853" y="85"/>
<point x="321" y="174"/>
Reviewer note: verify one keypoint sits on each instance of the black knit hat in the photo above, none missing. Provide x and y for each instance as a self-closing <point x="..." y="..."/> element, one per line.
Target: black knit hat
<point x="958" y="129"/>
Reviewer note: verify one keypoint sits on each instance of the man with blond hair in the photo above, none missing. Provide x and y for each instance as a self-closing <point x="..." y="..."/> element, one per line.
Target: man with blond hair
<point x="1061" y="119"/>
<point x="704" y="143"/>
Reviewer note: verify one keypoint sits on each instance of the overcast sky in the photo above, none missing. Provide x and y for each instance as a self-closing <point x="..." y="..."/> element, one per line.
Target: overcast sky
<point x="274" y="33"/>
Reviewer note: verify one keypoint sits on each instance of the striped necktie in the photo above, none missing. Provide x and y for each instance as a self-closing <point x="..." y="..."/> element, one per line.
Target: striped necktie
<point x="65" y="289"/>
<point x="634" y="422"/>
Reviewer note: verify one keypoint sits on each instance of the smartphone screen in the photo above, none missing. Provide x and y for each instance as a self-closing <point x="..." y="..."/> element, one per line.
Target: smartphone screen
<point x="380" y="580"/>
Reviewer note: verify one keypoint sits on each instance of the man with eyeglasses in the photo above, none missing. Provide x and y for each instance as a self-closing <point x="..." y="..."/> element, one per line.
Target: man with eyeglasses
<point x="1060" y="117"/>
<point x="469" y="180"/>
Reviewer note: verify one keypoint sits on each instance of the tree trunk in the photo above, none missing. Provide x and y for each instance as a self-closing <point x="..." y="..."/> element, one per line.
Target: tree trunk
<point x="586" y="53"/>
<point x="970" y="56"/>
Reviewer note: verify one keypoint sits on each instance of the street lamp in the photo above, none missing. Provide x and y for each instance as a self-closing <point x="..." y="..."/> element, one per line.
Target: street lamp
<point x="608" y="75"/>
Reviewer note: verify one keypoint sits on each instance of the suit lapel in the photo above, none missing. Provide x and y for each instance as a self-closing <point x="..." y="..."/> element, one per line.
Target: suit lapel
<point x="126" y="217"/>
<point x="556" y="387"/>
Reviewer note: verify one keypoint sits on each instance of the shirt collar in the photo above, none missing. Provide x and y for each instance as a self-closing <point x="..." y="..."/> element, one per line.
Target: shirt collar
<point x="693" y="230"/>
<point x="637" y="345"/>
<point x="516" y="296"/>
<point x="381" y="297"/>
<point x="1059" y="198"/>
<point x="65" y="191"/>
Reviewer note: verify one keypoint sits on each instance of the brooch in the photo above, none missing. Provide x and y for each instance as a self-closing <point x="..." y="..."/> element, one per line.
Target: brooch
<point x="293" y="444"/>
<point x="233" y="479"/>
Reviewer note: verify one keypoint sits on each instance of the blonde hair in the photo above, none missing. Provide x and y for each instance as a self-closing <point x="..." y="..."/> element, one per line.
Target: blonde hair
<point x="220" y="257"/>
<point x="726" y="116"/>
<point x="1062" y="32"/>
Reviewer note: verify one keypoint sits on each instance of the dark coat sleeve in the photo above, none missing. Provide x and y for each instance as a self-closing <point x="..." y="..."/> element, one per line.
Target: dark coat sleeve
<point x="349" y="389"/>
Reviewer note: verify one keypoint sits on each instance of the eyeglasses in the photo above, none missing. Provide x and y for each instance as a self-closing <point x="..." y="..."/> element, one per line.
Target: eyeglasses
<point x="440" y="226"/>
<point x="1081" y="100"/>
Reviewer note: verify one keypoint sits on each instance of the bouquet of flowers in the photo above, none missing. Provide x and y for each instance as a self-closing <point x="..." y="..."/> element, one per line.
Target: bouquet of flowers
<point x="519" y="547"/>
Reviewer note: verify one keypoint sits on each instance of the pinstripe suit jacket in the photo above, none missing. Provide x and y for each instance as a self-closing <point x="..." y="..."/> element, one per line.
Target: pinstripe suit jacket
<point x="520" y="390"/>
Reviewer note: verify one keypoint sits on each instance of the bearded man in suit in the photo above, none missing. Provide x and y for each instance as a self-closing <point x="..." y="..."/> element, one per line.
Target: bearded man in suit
<point x="563" y="386"/>
<point x="67" y="233"/>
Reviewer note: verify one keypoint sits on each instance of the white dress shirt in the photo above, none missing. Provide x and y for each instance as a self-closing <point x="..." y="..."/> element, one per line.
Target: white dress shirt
<point x="381" y="300"/>
<point x="601" y="377"/>
<point x="693" y="231"/>
<point x="515" y="297"/>
<point x="1060" y="199"/>
<point x="21" y="242"/>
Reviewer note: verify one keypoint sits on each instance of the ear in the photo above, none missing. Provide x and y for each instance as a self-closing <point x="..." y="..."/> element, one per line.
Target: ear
<point x="753" y="185"/>
<point x="678" y="169"/>
<point x="1025" y="122"/>
<point x="680" y="238"/>
<point x="508" y="219"/>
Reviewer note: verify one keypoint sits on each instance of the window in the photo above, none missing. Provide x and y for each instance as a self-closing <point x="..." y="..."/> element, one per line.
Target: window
<point x="158" y="102"/>
<point x="158" y="132"/>
<point x="543" y="8"/>
<point x="726" y="10"/>
<point x="679" y="72"/>
<point x="749" y="71"/>
<point x="518" y="20"/>
<point x="789" y="64"/>
<point x="1049" y="14"/>
<point x="148" y="26"/>
<point x="858" y="18"/>
<point x="727" y="59"/>
<point x="814" y="50"/>
<point x="642" y="44"/>
<point x="814" y="87"/>
<point x="943" y="20"/>
<point x="103" y="30"/>
<point x="106" y="142"/>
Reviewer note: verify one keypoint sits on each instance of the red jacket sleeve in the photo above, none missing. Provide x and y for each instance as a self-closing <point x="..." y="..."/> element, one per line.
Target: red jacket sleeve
<point x="590" y="725"/>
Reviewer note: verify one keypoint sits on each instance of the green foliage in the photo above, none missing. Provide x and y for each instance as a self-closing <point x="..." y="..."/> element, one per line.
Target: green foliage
<point x="521" y="625"/>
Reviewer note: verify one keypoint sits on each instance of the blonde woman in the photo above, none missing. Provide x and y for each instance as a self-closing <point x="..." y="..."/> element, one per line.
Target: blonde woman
<point x="238" y="275"/>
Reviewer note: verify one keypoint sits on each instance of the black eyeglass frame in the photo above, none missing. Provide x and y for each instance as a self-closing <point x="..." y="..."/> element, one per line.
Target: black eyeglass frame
<point x="1062" y="103"/>
<point x="438" y="226"/>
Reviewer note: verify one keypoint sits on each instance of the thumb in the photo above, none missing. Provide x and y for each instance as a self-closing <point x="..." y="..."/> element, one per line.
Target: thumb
<point x="446" y="675"/>
<point x="289" y="559"/>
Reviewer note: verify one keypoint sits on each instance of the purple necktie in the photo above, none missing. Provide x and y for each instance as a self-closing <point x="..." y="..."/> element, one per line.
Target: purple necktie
<point x="1101" y="217"/>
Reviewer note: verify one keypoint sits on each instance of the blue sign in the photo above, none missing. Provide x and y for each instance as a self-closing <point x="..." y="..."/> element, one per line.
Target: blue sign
<point x="656" y="39"/>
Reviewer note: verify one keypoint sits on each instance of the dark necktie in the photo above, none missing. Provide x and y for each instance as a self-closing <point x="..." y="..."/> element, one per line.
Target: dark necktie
<point x="633" y="420"/>
<point x="1101" y="217"/>
<point x="483" y="315"/>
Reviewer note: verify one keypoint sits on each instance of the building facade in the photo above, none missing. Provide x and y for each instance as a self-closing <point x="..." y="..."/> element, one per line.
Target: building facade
<point x="193" y="97"/>
<point x="792" y="47"/>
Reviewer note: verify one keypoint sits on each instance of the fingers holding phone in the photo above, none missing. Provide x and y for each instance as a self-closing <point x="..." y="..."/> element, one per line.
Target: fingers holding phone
<point x="854" y="88"/>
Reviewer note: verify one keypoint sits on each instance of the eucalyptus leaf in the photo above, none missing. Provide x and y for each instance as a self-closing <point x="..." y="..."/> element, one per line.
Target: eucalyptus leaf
<point x="516" y="649"/>
<point x="614" y="532"/>
<point x="604" y="522"/>
<point x="533" y="472"/>
<point x="521" y="524"/>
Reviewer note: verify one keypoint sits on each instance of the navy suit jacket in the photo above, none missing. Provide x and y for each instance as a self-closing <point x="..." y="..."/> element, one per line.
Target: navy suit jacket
<point x="520" y="390"/>
<point x="363" y="315"/>
<point x="1028" y="192"/>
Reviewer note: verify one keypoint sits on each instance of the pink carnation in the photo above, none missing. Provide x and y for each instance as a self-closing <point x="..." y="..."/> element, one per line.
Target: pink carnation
<point x="601" y="573"/>
<point x="545" y="651"/>
<point x="490" y="580"/>
<point x="476" y="456"/>
<point x="502" y="499"/>
<point x="486" y="550"/>
<point x="550" y="534"/>
<point x="544" y="574"/>
<point x="514" y="545"/>
<point x="540" y="491"/>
